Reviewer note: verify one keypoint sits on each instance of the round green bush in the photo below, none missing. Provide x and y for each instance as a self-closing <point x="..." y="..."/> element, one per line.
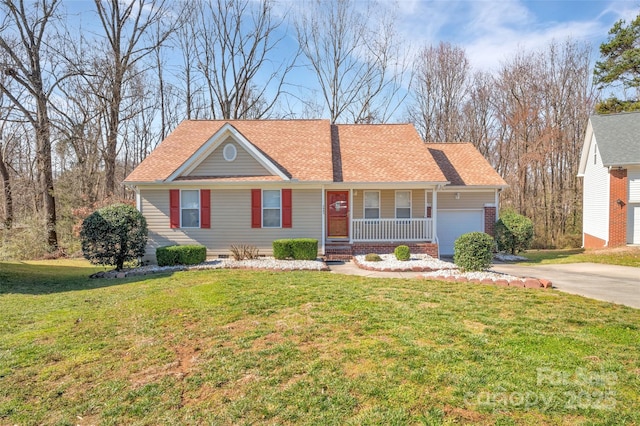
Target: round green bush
<point x="402" y="253"/>
<point x="372" y="257"/>
<point x="114" y="235"/>
<point x="514" y="232"/>
<point x="473" y="251"/>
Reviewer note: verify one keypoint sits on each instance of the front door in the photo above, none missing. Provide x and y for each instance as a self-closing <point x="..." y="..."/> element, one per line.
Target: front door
<point x="338" y="214"/>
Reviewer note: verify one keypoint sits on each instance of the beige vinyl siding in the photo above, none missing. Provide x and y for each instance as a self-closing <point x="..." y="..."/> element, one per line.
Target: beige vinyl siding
<point x="468" y="200"/>
<point x="230" y="221"/>
<point x="243" y="165"/>
<point x="417" y="204"/>
<point x="388" y="203"/>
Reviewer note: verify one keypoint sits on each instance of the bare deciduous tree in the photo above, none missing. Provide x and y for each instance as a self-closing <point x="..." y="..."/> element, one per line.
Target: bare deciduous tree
<point x="29" y="23"/>
<point x="125" y="26"/>
<point x="356" y="59"/>
<point x="442" y="80"/>
<point x="235" y="44"/>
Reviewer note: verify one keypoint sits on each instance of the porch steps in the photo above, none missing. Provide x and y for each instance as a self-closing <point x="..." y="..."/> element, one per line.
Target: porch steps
<point x="338" y="252"/>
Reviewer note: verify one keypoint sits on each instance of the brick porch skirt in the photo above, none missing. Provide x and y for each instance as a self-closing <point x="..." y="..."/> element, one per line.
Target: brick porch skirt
<point x="345" y="251"/>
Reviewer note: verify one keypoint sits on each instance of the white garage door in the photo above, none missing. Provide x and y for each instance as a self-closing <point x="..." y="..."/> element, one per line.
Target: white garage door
<point x="453" y="223"/>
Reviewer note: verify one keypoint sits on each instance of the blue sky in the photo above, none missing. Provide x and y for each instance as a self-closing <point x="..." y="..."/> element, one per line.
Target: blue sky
<point x="493" y="30"/>
<point x="490" y="31"/>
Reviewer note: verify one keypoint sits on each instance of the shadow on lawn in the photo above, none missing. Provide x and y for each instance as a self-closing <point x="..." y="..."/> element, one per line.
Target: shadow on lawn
<point x="24" y="278"/>
<point x="538" y="256"/>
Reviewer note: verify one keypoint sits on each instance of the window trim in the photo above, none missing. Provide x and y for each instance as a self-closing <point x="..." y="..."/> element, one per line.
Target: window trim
<point x="364" y="205"/>
<point x="233" y="149"/>
<point x="262" y="208"/>
<point x="410" y="203"/>
<point x="199" y="210"/>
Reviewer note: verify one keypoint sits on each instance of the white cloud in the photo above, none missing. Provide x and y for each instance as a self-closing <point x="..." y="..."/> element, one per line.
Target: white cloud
<point x="493" y="30"/>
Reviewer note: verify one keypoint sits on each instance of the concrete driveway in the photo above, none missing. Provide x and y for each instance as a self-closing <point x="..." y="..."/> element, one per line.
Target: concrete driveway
<point x="611" y="283"/>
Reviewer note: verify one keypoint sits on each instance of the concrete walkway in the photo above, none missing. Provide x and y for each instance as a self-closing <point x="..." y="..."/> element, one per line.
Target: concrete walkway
<point x="609" y="283"/>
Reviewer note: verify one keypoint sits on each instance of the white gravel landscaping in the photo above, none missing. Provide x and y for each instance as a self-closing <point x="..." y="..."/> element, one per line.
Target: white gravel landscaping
<point x="431" y="266"/>
<point x="417" y="261"/>
<point x="472" y="276"/>
<point x="266" y="263"/>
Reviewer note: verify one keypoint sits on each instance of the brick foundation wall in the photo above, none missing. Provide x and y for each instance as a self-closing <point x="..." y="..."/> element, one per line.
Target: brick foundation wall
<point x="617" y="212"/>
<point x="490" y="220"/>
<point x="592" y="242"/>
<point x="383" y="248"/>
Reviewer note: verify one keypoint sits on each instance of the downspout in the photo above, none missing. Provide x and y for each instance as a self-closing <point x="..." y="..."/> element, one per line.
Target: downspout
<point x="138" y="199"/>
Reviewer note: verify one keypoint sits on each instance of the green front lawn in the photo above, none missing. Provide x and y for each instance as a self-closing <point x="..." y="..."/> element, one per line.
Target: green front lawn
<point x="244" y="347"/>
<point x="625" y="256"/>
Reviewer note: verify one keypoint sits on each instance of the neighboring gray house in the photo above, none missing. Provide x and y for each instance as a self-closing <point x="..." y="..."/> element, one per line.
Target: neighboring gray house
<point x="356" y="188"/>
<point x="610" y="166"/>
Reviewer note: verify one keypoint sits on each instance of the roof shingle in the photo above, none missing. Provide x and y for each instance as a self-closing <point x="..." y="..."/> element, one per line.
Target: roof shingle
<point x="316" y="151"/>
<point x="618" y="138"/>
<point x="462" y="164"/>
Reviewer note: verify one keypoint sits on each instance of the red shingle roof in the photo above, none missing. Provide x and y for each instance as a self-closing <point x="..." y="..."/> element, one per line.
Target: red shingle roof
<point x="315" y="150"/>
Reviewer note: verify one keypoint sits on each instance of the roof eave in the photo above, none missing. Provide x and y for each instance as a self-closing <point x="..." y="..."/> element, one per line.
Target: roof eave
<point x="500" y="186"/>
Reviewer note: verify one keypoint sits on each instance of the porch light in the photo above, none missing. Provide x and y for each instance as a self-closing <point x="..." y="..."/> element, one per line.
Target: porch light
<point x="457" y="195"/>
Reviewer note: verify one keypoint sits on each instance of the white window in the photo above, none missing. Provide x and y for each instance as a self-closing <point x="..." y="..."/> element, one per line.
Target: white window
<point x="271" y="208"/>
<point x="403" y="204"/>
<point x="229" y="152"/>
<point x="190" y="208"/>
<point x="372" y="205"/>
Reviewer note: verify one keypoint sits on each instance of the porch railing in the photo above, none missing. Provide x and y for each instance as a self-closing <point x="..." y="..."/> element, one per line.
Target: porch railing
<point x="420" y="229"/>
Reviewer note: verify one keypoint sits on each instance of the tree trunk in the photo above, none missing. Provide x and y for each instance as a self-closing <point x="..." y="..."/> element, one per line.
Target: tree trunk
<point x="8" y="198"/>
<point x="43" y="142"/>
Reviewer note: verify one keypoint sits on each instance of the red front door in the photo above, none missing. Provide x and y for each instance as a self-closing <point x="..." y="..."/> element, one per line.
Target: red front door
<point x="338" y="214"/>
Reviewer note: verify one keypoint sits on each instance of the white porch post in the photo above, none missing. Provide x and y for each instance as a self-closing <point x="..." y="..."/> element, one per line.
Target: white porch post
<point x="434" y="216"/>
<point x="323" y="215"/>
<point x="350" y="216"/>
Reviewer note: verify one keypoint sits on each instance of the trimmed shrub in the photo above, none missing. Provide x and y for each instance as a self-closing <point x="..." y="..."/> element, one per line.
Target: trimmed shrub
<point x="473" y="251"/>
<point x="113" y="235"/>
<point x="166" y="256"/>
<point x="296" y="248"/>
<point x="181" y="255"/>
<point x="372" y="257"/>
<point x="402" y="253"/>
<point x="514" y="232"/>
<point x="282" y="249"/>
<point x="304" y="248"/>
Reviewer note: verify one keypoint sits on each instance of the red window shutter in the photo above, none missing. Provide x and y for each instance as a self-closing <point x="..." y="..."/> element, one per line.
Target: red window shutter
<point x="174" y="208"/>
<point x="256" y="208"/>
<point x="205" y="208"/>
<point x="286" y="208"/>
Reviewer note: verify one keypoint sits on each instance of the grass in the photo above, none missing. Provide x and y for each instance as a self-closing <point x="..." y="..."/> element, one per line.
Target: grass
<point x="245" y="347"/>
<point x="625" y="256"/>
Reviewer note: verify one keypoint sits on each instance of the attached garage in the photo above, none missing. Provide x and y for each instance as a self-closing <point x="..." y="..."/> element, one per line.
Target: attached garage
<point x="453" y="223"/>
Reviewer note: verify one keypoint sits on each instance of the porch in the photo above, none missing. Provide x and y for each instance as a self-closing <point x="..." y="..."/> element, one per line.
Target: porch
<point x="345" y="251"/>
<point x="385" y="230"/>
